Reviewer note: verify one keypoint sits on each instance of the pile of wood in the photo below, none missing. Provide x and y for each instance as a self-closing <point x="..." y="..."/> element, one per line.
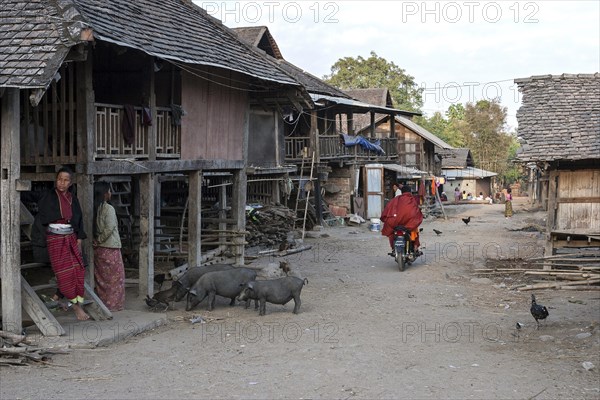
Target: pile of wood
<point x="19" y="350"/>
<point x="565" y="271"/>
<point x="269" y="226"/>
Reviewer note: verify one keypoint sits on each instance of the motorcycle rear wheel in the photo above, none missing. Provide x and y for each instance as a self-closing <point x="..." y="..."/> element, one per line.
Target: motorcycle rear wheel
<point x="400" y="262"/>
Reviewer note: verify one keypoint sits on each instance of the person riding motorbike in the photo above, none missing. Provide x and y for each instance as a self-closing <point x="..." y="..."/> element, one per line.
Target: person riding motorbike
<point x="403" y="211"/>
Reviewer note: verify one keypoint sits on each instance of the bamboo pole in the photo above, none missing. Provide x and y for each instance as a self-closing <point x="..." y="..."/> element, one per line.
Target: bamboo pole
<point x="312" y="164"/>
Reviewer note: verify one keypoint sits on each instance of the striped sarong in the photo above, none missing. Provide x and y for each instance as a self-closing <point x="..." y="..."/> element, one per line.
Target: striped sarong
<point x="67" y="264"/>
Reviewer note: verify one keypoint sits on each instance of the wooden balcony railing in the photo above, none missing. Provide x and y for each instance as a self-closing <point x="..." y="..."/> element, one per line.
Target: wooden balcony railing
<point x="332" y="147"/>
<point x="168" y="135"/>
<point x="294" y="147"/>
<point x="110" y="143"/>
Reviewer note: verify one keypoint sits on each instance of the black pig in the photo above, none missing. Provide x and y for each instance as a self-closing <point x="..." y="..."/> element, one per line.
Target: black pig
<point x="276" y="291"/>
<point x="191" y="276"/>
<point x="224" y="283"/>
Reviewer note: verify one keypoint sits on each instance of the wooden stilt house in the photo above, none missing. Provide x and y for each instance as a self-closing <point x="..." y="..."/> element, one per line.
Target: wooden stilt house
<point x="137" y="93"/>
<point x="559" y="127"/>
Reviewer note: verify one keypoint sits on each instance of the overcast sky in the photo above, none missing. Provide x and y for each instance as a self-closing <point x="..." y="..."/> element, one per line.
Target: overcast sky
<point x="459" y="51"/>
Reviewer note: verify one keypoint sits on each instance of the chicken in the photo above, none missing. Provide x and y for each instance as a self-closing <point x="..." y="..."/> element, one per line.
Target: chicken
<point x="538" y="311"/>
<point x="284" y="246"/>
<point x="285" y="267"/>
<point x="437" y="232"/>
<point x="466" y="220"/>
<point x="161" y="298"/>
<point x="159" y="279"/>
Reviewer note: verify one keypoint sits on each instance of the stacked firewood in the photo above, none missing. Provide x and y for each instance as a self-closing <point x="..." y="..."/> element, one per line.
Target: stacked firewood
<point x="19" y="350"/>
<point x="269" y="225"/>
<point x="575" y="271"/>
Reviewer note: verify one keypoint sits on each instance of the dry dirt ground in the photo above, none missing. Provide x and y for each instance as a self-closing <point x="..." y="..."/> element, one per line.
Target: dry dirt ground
<point x="365" y="330"/>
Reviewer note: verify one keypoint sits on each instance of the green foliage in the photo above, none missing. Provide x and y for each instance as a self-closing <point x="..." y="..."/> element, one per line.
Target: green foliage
<point x="479" y="126"/>
<point x="377" y="72"/>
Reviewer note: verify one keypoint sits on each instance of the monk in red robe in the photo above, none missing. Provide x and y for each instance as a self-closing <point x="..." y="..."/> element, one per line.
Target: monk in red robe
<point x="402" y="210"/>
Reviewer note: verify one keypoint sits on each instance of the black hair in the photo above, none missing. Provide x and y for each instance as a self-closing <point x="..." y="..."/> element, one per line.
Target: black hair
<point x="100" y="189"/>
<point x="65" y="169"/>
<point x="406" y="189"/>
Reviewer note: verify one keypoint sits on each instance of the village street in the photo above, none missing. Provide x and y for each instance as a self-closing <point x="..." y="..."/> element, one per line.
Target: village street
<point x="365" y="330"/>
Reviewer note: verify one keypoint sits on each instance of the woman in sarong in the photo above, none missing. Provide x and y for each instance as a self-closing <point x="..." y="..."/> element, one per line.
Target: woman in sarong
<point x="59" y="226"/>
<point x="109" y="271"/>
<point x="508" y="211"/>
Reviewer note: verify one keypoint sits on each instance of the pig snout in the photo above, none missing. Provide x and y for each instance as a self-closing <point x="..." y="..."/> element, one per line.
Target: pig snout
<point x="192" y="300"/>
<point x="244" y="294"/>
<point x="180" y="291"/>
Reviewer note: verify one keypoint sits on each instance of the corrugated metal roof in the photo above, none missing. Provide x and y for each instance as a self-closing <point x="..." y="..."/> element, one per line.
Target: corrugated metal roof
<point x="359" y="105"/>
<point x="466" y="173"/>
<point x="405" y="171"/>
<point x="424" y="133"/>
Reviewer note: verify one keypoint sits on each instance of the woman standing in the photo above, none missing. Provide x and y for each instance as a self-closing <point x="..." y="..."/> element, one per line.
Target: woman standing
<point x="508" y="211"/>
<point x="108" y="263"/>
<point x="58" y="227"/>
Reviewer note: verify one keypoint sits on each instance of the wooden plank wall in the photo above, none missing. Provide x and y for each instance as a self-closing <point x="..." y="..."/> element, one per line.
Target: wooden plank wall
<point x="214" y="120"/>
<point x="578" y="200"/>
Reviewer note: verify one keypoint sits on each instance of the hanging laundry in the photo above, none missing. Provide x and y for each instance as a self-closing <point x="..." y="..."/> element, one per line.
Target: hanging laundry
<point x="128" y="124"/>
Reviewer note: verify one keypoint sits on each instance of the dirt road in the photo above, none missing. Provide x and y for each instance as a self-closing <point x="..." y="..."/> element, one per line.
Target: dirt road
<point x="364" y="330"/>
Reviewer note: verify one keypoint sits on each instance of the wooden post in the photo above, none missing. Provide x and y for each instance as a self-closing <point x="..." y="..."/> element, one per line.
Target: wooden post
<point x="392" y="126"/>
<point x="372" y="130"/>
<point x="86" y="111"/>
<point x="238" y="208"/>
<point x="552" y="206"/>
<point x="314" y="133"/>
<point x="350" y="119"/>
<point x="146" y="257"/>
<point x="85" y="195"/>
<point x="10" y="207"/>
<point x="194" y="219"/>
<point x="150" y="98"/>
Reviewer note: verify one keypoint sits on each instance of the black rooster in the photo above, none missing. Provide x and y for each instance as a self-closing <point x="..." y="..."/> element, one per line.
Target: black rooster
<point x="437" y="232"/>
<point x="466" y="220"/>
<point x="538" y="311"/>
<point x="161" y="298"/>
<point x="159" y="279"/>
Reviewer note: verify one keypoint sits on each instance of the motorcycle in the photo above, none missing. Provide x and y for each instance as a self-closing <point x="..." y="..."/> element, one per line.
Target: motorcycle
<point x="404" y="248"/>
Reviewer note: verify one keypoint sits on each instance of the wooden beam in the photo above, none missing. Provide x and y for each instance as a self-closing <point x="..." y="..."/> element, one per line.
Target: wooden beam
<point x="36" y="309"/>
<point x="552" y="197"/>
<point x="86" y="111"/>
<point x="238" y="209"/>
<point x="593" y="199"/>
<point x="97" y="310"/>
<point x="10" y="208"/>
<point x="130" y="167"/>
<point x="146" y="252"/>
<point x="194" y="218"/>
<point x="148" y="84"/>
<point x="85" y="195"/>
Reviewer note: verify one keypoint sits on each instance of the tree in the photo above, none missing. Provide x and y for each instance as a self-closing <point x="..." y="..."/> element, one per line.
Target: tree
<point x="479" y="126"/>
<point x="377" y="72"/>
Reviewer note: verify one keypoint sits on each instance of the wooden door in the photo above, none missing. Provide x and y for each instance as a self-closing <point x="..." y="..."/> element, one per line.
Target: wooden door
<point x="374" y="191"/>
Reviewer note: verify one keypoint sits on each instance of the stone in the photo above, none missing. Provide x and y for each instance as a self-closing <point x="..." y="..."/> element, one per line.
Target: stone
<point x="583" y="335"/>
